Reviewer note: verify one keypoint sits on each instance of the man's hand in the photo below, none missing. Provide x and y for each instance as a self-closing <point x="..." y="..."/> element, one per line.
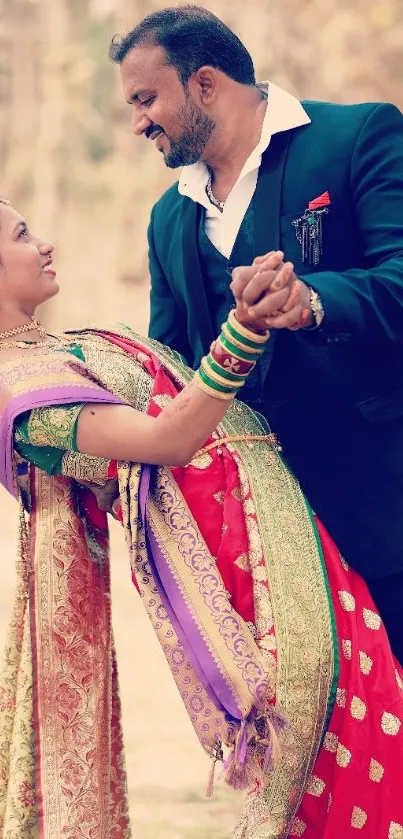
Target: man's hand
<point x="269" y="295"/>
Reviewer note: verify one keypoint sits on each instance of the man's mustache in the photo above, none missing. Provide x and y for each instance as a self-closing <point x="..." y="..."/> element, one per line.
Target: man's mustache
<point x="150" y="130"/>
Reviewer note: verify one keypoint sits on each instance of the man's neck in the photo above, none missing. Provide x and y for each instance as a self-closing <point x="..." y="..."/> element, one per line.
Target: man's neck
<point x="235" y="140"/>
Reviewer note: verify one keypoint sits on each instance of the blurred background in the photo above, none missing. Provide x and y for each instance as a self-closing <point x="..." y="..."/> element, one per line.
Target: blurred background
<point x="70" y="164"/>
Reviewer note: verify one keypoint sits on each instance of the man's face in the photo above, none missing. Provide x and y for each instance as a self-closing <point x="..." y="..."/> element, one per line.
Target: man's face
<point x="163" y="109"/>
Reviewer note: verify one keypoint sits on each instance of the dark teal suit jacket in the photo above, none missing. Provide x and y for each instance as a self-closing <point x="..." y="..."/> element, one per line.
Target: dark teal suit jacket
<point x="334" y="396"/>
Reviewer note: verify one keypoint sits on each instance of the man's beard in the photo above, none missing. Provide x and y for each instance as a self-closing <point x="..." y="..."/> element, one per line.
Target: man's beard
<point x="197" y="130"/>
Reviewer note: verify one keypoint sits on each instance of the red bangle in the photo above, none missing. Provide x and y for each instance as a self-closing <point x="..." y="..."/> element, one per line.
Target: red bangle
<point x="229" y="362"/>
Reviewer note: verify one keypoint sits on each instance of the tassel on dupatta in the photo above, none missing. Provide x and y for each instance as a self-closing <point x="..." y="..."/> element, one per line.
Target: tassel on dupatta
<point x="256" y="748"/>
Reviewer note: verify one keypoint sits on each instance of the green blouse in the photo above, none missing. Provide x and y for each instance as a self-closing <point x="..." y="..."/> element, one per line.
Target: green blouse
<point x="44" y="435"/>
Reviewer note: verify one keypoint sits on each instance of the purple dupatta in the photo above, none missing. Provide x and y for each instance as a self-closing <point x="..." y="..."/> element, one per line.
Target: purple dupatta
<point x="27" y="384"/>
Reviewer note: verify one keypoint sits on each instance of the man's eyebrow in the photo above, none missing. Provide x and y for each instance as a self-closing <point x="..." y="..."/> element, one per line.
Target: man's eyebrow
<point x="135" y="97"/>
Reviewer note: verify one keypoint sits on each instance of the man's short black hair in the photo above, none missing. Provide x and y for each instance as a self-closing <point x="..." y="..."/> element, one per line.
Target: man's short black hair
<point x="191" y="37"/>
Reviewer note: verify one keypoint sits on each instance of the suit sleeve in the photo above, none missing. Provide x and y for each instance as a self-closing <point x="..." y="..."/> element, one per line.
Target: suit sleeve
<point x="366" y="303"/>
<point x="167" y="319"/>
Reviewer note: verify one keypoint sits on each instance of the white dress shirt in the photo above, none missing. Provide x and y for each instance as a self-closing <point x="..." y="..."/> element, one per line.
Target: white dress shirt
<point x="283" y="112"/>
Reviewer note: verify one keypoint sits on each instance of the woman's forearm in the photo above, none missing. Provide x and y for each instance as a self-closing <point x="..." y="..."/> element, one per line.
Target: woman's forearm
<point x="118" y="432"/>
<point x="186" y="423"/>
<point x="122" y="433"/>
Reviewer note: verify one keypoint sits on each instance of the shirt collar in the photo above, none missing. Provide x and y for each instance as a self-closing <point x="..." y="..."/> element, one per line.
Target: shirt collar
<point x="284" y="112"/>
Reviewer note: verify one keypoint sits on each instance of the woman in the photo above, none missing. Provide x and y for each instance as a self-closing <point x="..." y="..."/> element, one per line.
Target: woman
<point x="274" y="643"/>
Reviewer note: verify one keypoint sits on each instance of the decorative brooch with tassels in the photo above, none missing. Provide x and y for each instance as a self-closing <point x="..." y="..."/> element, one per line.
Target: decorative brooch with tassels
<point x="308" y="228"/>
<point x="254" y="749"/>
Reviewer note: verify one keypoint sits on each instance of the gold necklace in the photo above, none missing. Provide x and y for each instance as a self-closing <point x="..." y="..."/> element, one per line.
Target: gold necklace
<point x="20" y="330"/>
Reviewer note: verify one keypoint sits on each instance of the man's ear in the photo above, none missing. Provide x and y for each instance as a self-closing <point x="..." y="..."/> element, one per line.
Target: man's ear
<point x="204" y="85"/>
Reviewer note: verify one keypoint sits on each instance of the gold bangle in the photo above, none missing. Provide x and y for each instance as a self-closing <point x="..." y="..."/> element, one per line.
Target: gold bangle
<point x="258" y="337"/>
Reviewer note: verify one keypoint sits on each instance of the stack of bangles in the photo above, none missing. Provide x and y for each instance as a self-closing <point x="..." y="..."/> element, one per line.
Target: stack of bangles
<point x="231" y="358"/>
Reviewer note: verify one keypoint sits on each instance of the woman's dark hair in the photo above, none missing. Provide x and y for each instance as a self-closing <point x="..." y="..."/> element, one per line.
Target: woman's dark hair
<point x="191" y="37"/>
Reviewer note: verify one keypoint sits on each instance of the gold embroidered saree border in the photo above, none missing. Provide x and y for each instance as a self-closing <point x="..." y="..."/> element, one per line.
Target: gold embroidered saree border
<point x="81" y="782"/>
<point x="301" y="610"/>
<point x="304" y="637"/>
<point x="20" y="377"/>
<point x="118" y="378"/>
<point x="195" y="573"/>
<point x="196" y="700"/>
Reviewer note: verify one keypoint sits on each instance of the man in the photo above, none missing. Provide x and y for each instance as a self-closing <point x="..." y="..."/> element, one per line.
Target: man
<point x="323" y="183"/>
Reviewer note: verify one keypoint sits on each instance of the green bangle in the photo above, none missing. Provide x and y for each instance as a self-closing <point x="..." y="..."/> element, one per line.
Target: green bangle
<point x="244" y="355"/>
<point x="247" y="342"/>
<point x="216" y="376"/>
<point x="237" y="379"/>
<point x="213" y="384"/>
<point x="239" y="341"/>
<point x="210" y="390"/>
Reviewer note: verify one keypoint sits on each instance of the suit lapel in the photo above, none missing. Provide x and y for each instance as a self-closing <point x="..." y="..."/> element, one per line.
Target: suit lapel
<point x="267" y="198"/>
<point x="266" y="208"/>
<point x="266" y="205"/>
<point x="194" y="282"/>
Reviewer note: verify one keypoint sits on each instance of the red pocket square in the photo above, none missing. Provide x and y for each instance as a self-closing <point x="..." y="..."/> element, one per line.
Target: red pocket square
<point x="321" y="201"/>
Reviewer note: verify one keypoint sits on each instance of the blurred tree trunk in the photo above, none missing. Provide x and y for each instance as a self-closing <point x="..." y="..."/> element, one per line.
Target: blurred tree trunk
<point x="5" y="91"/>
<point x="53" y="94"/>
<point x="20" y="122"/>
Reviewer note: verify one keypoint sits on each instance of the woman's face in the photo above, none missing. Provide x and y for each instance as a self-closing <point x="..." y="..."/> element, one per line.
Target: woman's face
<point x="27" y="277"/>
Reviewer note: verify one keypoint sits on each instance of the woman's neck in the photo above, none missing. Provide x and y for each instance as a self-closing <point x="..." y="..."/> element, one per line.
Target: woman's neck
<point x="14" y="324"/>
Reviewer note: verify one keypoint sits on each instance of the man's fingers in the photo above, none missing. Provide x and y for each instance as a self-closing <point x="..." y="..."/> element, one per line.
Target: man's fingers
<point x="293" y="298"/>
<point x="284" y="275"/>
<point x="258" y="286"/>
<point x="304" y="319"/>
<point x="295" y="319"/>
<point x="243" y="274"/>
<point x="259" y="260"/>
<point x="267" y="281"/>
<point x="269" y="304"/>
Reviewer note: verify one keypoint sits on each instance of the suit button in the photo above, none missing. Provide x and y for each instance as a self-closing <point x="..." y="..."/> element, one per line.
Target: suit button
<point x="339" y="338"/>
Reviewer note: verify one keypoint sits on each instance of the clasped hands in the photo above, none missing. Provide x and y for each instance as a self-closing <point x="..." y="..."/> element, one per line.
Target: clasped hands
<point x="269" y="295"/>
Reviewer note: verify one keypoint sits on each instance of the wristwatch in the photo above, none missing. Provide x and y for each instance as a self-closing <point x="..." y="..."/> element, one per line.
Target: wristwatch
<point x="316" y="308"/>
